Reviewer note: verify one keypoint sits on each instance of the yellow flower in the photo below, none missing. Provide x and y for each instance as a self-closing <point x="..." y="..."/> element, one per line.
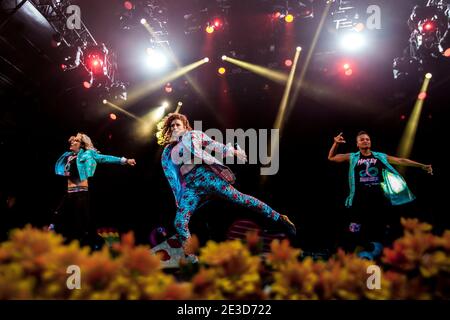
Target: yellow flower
<point x="140" y="261"/>
<point x="236" y="271"/>
<point x="14" y="284"/>
<point x="432" y="264"/>
<point x="413" y="225"/>
<point x="282" y="253"/>
<point x="296" y="280"/>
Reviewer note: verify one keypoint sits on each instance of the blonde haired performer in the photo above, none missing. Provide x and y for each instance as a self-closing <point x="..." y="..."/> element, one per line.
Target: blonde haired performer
<point x="78" y="165"/>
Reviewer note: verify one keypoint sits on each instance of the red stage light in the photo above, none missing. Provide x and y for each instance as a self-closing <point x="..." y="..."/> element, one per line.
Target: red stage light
<point x="422" y="96"/>
<point x="277" y="14"/>
<point x="429" y="26"/>
<point x="346" y="66"/>
<point x="63" y="66"/>
<point x="87" y="84"/>
<point x="348" y="72"/>
<point x="128" y="5"/>
<point x="447" y="53"/>
<point x="217" y="23"/>
<point x="168" y="88"/>
<point x="288" y="62"/>
<point x="112" y="116"/>
<point x="95" y="63"/>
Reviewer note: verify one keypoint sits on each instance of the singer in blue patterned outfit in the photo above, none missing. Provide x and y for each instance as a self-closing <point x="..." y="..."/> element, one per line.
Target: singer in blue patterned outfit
<point x="194" y="181"/>
<point x="77" y="165"/>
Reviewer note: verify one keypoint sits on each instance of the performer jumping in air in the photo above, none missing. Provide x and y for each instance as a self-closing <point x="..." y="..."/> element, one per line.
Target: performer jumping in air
<point x="77" y="165"/>
<point x="375" y="186"/>
<point x="193" y="180"/>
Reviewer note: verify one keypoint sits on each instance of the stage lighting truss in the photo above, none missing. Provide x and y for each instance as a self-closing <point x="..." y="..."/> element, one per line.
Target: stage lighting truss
<point x="429" y="39"/>
<point x="429" y="27"/>
<point x="116" y="92"/>
<point x="345" y="14"/>
<point x="214" y="16"/>
<point x="298" y="9"/>
<point x="55" y="12"/>
<point x="154" y="12"/>
<point x="99" y="63"/>
<point x="102" y="64"/>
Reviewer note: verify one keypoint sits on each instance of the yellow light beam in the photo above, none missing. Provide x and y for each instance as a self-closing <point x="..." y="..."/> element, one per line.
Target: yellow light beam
<point x="147" y="126"/>
<point x="409" y="135"/>
<point x="122" y="110"/>
<point x="274" y="145"/>
<point x="179" y="105"/>
<point x="273" y="75"/>
<point x="287" y="90"/>
<point x="192" y="81"/>
<point x="151" y="86"/>
<point x="302" y="76"/>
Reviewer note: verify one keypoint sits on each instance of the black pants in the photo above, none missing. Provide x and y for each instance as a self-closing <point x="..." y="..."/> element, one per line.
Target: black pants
<point x="372" y="213"/>
<point x="72" y="218"/>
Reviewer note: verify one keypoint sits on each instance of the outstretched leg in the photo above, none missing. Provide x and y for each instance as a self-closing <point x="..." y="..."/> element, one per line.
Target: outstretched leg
<point x="220" y="187"/>
<point x="187" y="206"/>
<point x="230" y="193"/>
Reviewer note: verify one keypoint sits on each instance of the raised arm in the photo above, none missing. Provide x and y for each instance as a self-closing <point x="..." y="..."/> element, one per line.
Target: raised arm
<point x="101" y="158"/>
<point x="410" y="163"/>
<point x="200" y="140"/>
<point x="342" y="157"/>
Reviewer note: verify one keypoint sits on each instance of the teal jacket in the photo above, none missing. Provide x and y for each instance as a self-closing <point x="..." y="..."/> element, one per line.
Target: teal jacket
<point x="86" y="162"/>
<point x="394" y="186"/>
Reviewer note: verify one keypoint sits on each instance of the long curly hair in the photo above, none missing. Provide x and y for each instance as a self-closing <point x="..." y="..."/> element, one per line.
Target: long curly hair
<point x="85" y="141"/>
<point x="164" y="132"/>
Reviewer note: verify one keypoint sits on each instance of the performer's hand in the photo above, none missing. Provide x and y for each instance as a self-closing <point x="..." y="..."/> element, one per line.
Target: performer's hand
<point x="339" y="138"/>
<point x="176" y="134"/>
<point x="428" y="168"/>
<point x="241" y="155"/>
<point x="131" y="162"/>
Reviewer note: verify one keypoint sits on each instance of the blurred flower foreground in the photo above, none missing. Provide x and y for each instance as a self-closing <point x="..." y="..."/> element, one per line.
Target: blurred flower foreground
<point x="35" y="264"/>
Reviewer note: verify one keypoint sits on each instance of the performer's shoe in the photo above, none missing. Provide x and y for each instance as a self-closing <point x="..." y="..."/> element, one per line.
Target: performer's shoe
<point x="366" y="255"/>
<point x="288" y="224"/>
<point x="192" y="258"/>
<point x="372" y="255"/>
<point x="378" y="249"/>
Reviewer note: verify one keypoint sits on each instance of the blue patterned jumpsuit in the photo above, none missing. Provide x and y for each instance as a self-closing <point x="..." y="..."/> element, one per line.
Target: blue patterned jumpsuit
<point x="208" y="177"/>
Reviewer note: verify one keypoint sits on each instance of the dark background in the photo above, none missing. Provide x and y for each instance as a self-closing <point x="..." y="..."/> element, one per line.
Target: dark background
<point x="41" y="106"/>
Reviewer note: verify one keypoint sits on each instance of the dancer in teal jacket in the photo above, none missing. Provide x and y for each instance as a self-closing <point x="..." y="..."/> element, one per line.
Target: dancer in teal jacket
<point x="78" y="165"/>
<point x="375" y="185"/>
